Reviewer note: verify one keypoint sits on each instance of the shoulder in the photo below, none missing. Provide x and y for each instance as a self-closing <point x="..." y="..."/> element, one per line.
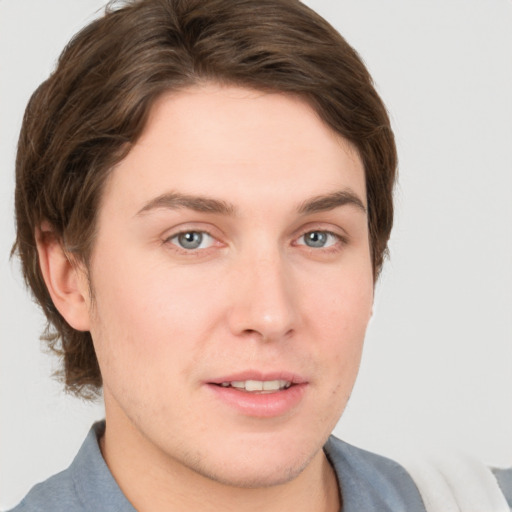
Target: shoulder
<point x="86" y="486"/>
<point x="371" y="482"/>
<point x="457" y="481"/>
<point x="504" y="478"/>
<point x="56" y="494"/>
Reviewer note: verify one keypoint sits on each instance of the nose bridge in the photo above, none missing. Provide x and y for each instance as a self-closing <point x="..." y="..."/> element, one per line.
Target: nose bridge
<point x="264" y="302"/>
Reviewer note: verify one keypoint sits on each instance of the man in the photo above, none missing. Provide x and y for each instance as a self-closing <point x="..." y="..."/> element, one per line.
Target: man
<point x="203" y="204"/>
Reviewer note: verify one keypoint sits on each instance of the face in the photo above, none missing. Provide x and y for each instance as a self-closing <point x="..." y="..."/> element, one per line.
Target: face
<point x="232" y="284"/>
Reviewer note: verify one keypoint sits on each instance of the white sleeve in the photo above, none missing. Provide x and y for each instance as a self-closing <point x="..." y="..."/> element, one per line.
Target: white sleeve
<point x="457" y="484"/>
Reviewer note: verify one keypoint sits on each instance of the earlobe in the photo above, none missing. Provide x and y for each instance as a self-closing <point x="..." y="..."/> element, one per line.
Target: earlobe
<point x="66" y="282"/>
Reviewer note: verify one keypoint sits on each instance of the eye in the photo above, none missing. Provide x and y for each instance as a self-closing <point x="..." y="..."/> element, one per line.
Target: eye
<point x="191" y="240"/>
<point x="319" y="239"/>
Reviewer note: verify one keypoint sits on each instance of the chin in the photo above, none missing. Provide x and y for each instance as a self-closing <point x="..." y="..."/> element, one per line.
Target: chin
<point x="254" y="477"/>
<point x="256" y="467"/>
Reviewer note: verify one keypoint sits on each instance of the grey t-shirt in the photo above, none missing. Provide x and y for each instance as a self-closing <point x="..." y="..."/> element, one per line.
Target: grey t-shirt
<point x="368" y="483"/>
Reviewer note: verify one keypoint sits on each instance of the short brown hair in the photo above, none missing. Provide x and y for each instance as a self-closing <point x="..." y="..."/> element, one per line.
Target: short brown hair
<point x="88" y="114"/>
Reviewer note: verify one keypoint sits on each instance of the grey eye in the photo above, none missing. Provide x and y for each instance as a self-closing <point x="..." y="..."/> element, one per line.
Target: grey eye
<point x="192" y="240"/>
<point x="316" y="238"/>
<point x="319" y="239"/>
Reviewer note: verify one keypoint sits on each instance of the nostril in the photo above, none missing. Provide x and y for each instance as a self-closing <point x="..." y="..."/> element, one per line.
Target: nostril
<point x="251" y="332"/>
<point x="266" y="334"/>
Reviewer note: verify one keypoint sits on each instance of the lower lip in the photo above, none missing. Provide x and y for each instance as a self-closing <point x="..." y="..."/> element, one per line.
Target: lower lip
<point x="261" y="405"/>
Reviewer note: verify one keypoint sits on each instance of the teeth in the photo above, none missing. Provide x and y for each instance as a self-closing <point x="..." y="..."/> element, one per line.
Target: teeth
<point x="253" y="385"/>
<point x="258" y="385"/>
<point x="274" y="385"/>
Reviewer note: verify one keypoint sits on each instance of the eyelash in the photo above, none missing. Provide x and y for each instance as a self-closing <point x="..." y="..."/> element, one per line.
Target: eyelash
<point x="340" y="241"/>
<point x="189" y="252"/>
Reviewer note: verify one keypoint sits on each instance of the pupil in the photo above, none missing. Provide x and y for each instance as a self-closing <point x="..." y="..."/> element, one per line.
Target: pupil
<point x="190" y="240"/>
<point x="316" y="239"/>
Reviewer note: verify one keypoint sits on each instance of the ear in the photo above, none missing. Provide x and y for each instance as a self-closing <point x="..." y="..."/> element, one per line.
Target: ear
<point x="66" y="281"/>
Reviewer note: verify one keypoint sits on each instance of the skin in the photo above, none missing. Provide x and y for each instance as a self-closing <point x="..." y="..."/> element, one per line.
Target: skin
<point x="167" y="320"/>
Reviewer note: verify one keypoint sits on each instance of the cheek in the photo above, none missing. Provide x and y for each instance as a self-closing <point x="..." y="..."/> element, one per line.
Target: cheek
<point x="147" y="316"/>
<point x="143" y="343"/>
<point x="341" y="300"/>
<point x="338" y="317"/>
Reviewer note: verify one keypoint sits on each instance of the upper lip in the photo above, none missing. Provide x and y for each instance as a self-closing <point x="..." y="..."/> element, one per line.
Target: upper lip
<point x="291" y="377"/>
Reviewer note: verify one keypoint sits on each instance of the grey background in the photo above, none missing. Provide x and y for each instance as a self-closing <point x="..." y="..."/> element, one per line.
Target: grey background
<point x="437" y="369"/>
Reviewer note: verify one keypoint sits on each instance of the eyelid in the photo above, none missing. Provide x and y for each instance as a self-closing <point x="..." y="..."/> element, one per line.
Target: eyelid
<point x="195" y="249"/>
<point x="188" y="227"/>
<point x="342" y="238"/>
<point x="193" y="227"/>
<point x="324" y="227"/>
<point x="337" y="236"/>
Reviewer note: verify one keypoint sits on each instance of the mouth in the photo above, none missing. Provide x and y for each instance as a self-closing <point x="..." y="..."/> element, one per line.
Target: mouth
<point x="257" y="386"/>
<point x="259" y="394"/>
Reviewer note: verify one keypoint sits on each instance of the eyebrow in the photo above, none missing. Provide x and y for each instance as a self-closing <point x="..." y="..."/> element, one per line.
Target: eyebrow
<point x="175" y="200"/>
<point x="327" y="202"/>
<point x="321" y="203"/>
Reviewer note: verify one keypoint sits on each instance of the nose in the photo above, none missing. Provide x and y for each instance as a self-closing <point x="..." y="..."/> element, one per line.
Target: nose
<point x="263" y="303"/>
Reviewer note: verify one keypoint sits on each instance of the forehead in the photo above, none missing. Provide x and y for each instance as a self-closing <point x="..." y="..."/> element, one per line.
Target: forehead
<point x="233" y="142"/>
